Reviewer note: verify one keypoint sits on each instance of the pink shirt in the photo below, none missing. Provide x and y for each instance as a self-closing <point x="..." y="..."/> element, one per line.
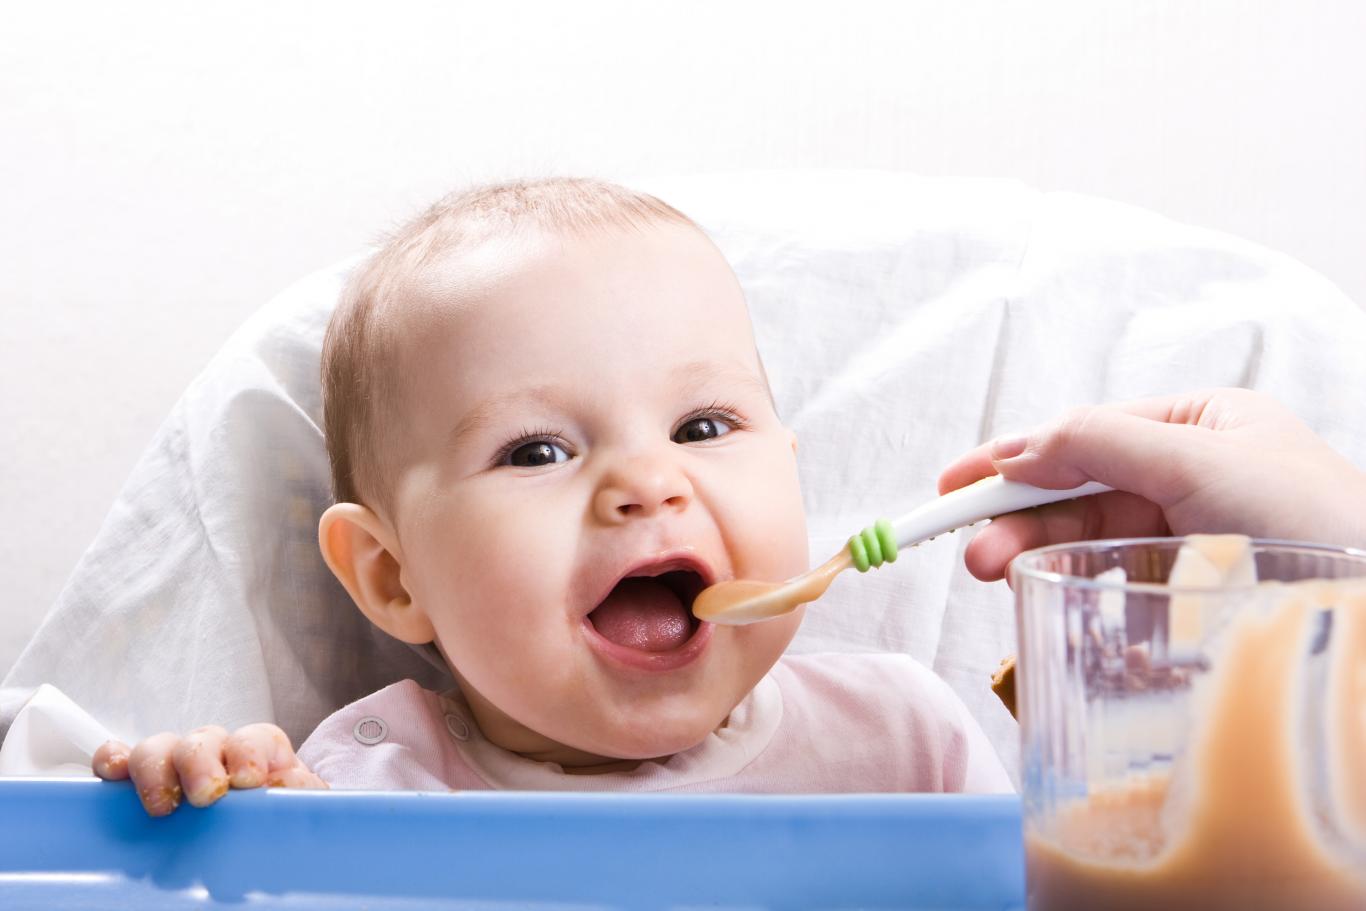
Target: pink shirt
<point x="814" y="724"/>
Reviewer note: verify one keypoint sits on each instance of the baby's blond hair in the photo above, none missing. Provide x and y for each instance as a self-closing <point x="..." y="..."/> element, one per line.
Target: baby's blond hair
<point x="360" y="356"/>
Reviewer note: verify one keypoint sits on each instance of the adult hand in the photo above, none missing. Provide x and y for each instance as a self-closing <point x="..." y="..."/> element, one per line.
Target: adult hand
<point x="1215" y="461"/>
<point x="203" y="764"/>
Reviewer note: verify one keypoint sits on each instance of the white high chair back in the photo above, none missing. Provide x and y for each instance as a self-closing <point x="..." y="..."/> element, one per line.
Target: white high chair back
<point x="902" y="320"/>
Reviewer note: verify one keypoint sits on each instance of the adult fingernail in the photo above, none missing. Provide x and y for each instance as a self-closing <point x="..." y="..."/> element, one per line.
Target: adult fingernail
<point x="1008" y="447"/>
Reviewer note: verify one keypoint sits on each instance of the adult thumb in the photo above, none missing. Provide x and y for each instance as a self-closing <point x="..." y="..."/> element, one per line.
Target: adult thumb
<point x="1156" y="460"/>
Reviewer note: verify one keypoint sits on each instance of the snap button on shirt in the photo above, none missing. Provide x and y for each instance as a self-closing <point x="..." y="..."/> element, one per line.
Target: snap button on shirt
<point x="457" y="726"/>
<point x="370" y="730"/>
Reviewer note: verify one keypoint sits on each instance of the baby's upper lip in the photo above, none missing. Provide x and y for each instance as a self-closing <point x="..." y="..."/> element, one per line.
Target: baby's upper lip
<point x="656" y="564"/>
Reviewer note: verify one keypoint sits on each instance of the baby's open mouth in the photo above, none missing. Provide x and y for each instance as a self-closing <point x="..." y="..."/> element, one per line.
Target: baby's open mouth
<point x="649" y="613"/>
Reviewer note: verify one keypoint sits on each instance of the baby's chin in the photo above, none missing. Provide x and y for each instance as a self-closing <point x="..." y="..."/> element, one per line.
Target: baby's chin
<point x="654" y="738"/>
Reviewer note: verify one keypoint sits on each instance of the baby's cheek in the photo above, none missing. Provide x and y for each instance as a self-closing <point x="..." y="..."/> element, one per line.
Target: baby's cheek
<point x="507" y="637"/>
<point x="784" y="551"/>
<point x="766" y="519"/>
<point x="762" y="644"/>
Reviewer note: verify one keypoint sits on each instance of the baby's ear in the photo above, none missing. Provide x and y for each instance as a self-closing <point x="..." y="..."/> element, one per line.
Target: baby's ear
<point x="362" y="551"/>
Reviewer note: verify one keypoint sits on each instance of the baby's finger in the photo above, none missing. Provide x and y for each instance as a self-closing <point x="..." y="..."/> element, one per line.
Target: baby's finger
<point x="255" y="751"/>
<point x="198" y="760"/>
<point x="110" y="761"/>
<point x="1109" y="515"/>
<point x="154" y="774"/>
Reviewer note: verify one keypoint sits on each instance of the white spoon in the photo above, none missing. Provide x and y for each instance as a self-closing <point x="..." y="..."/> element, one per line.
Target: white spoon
<point x="742" y="601"/>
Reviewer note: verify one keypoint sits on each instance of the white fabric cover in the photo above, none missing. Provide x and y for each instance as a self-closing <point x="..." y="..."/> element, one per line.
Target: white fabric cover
<point x="902" y="320"/>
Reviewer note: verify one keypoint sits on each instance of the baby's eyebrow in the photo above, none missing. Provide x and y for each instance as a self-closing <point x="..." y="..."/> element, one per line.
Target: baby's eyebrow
<point x="687" y="377"/>
<point x="483" y="414"/>
<point x="701" y="373"/>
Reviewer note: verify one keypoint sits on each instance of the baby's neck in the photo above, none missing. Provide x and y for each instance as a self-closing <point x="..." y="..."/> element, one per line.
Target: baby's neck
<point x="587" y="764"/>
<point x="572" y="761"/>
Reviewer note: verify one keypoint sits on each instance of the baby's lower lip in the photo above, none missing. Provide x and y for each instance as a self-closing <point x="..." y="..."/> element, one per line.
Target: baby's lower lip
<point x="653" y="662"/>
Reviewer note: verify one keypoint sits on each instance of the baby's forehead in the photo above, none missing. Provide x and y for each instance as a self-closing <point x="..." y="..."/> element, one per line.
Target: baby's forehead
<point x="453" y="281"/>
<point x="542" y="272"/>
<point x="499" y="331"/>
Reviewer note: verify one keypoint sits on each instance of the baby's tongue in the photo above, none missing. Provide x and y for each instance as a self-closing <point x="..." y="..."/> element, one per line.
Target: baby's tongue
<point x="643" y="614"/>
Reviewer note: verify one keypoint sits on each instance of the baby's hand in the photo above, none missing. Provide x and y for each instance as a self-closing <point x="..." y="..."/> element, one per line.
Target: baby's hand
<point x="203" y="764"/>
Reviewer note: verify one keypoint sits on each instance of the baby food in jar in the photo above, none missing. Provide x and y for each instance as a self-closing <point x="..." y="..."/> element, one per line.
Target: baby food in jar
<point x="1193" y="737"/>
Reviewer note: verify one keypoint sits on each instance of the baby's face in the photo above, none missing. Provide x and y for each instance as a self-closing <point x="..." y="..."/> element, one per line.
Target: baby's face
<point x="589" y="441"/>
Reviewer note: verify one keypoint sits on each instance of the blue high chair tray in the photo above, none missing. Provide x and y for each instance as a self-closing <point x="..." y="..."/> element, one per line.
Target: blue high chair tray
<point x="87" y="844"/>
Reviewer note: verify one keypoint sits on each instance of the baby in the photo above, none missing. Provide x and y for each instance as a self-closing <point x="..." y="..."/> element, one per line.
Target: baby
<point x="549" y="429"/>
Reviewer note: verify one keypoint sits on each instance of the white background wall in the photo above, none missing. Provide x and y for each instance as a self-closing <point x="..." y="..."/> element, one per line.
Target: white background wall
<point x="165" y="168"/>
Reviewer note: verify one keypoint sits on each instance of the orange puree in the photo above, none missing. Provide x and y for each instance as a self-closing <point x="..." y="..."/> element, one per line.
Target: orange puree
<point x="1234" y="825"/>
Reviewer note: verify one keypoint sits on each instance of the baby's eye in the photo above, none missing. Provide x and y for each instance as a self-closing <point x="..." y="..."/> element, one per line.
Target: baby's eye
<point x="535" y="454"/>
<point x="698" y="429"/>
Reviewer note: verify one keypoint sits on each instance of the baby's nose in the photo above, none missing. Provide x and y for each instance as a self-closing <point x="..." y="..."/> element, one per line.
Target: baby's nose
<point x="639" y="487"/>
